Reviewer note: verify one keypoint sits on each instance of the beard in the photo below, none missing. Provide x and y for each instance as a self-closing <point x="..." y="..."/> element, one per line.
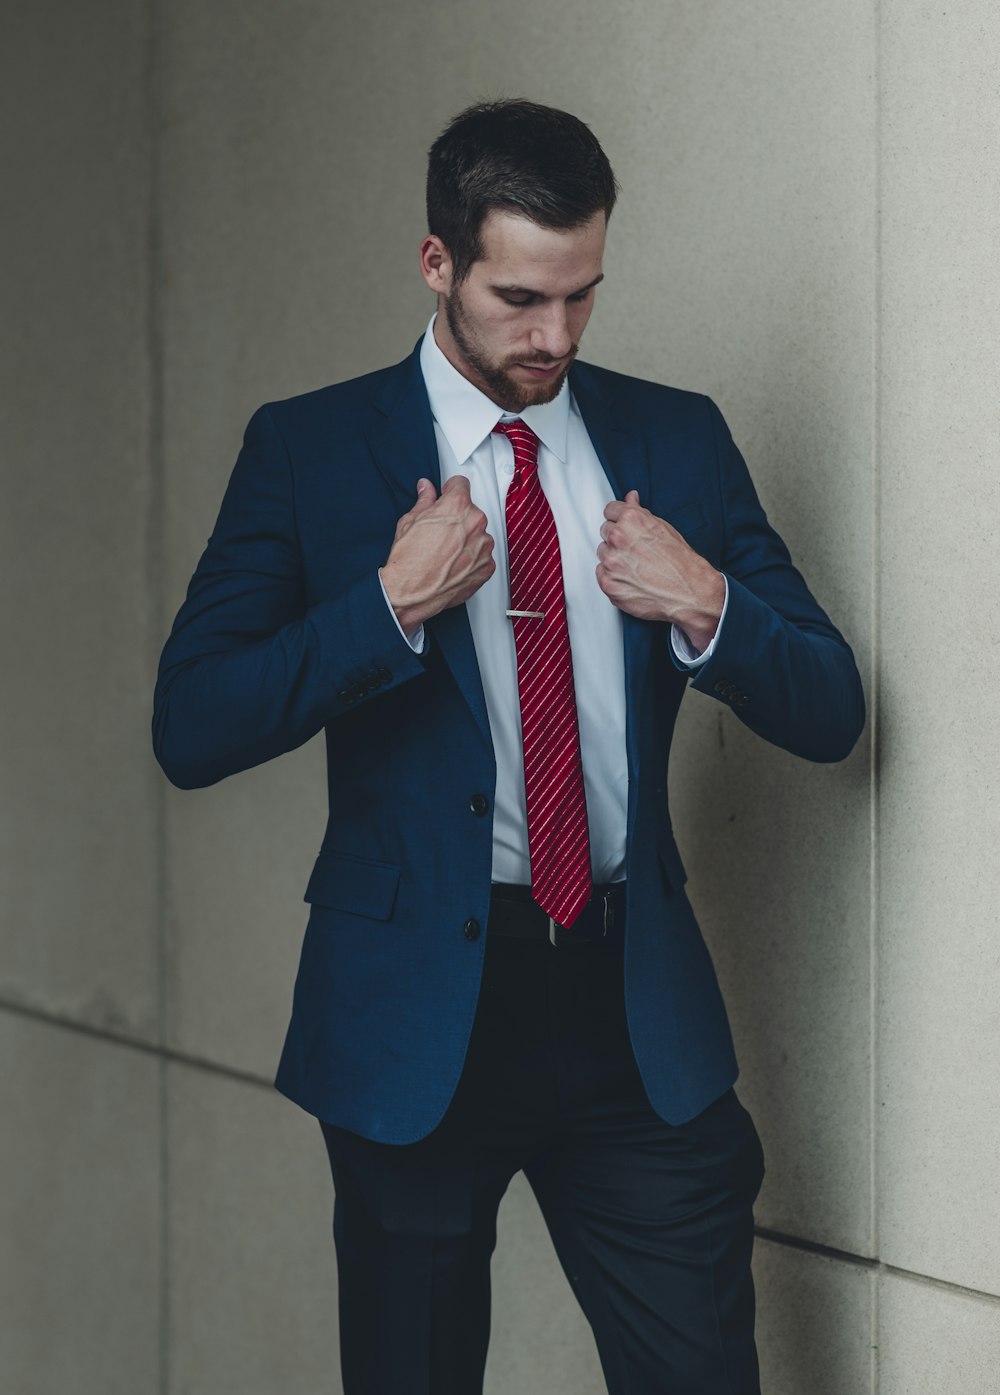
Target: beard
<point x="502" y="389"/>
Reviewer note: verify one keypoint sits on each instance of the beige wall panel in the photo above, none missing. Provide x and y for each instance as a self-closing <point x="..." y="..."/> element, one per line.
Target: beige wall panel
<point x="740" y="263"/>
<point x="77" y="867"/>
<point x="79" y="1213"/>
<point x="940" y="645"/>
<point x="936" y="1341"/>
<point x="814" y="1323"/>
<point x="240" y="855"/>
<point x="252" y="1278"/>
<point x="539" y="1339"/>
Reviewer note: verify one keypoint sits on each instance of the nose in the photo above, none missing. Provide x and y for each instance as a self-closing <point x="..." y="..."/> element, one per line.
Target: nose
<point x="550" y="333"/>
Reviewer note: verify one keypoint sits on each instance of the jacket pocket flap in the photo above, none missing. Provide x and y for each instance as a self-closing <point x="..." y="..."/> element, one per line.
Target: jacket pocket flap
<point x="353" y="884"/>
<point x="686" y="517"/>
<point x="670" y="860"/>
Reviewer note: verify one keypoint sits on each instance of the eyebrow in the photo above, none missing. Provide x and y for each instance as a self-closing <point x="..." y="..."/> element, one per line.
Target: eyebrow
<point x="526" y="290"/>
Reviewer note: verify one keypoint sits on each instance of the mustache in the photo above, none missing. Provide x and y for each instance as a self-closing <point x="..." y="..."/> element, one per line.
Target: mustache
<point x="542" y="362"/>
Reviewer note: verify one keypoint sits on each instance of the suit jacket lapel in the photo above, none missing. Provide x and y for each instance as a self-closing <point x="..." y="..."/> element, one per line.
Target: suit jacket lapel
<point x="622" y="452"/>
<point x="404" y="447"/>
<point x="613" y="430"/>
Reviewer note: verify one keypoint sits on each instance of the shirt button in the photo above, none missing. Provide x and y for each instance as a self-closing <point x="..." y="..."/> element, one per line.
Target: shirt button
<point x="479" y="804"/>
<point x="471" y="929"/>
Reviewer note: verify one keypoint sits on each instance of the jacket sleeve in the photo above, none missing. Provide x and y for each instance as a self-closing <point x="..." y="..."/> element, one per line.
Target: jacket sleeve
<point x="249" y="670"/>
<point x="779" y="663"/>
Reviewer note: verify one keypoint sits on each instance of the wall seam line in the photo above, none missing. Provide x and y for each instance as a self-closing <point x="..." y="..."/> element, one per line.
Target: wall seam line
<point x="873" y="1265"/>
<point x="155" y="600"/>
<point x="876" y="695"/>
<point x="170" y="1055"/>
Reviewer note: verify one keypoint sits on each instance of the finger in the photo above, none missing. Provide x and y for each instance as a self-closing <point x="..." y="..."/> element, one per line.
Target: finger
<point x="615" y="509"/>
<point x="456" y="485"/>
<point x="632" y="497"/>
<point x="426" y="495"/>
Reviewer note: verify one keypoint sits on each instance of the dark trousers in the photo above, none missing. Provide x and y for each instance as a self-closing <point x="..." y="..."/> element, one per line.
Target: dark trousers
<point x="652" y="1222"/>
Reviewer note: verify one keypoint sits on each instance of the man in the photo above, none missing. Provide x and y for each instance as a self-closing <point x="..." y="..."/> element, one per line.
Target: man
<point x="489" y="572"/>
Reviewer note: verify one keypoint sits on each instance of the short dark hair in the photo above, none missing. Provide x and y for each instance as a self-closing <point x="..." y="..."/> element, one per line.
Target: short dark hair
<point x="511" y="154"/>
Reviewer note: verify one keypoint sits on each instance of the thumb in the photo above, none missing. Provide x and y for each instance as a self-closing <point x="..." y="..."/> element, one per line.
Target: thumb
<point x="457" y="483"/>
<point x="632" y="497"/>
<point x="426" y="496"/>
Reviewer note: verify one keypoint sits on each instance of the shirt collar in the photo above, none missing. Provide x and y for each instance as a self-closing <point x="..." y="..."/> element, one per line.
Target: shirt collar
<point x="467" y="416"/>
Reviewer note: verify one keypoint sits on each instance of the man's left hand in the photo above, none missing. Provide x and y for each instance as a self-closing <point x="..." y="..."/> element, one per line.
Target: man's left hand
<point x="647" y="569"/>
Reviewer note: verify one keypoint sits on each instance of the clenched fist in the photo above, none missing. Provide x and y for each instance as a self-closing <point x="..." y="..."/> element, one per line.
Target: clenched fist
<point x="647" y="569"/>
<point x="440" y="555"/>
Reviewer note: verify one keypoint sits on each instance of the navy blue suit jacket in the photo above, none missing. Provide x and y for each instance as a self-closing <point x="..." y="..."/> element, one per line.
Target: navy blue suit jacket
<point x="285" y="632"/>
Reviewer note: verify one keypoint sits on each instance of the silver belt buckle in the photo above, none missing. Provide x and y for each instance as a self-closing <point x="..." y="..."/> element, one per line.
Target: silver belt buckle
<point x="607" y="921"/>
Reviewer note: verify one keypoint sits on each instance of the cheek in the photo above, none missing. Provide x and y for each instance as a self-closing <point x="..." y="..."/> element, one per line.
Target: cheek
<point x="578" y="318"/>
<point x="504" y="336"/>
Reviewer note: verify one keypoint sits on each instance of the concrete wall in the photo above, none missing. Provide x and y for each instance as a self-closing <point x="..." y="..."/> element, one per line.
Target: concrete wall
<point x="212" y="205"/>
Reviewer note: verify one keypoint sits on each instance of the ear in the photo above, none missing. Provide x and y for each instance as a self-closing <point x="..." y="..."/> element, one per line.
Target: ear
<point x="435" y="264"/>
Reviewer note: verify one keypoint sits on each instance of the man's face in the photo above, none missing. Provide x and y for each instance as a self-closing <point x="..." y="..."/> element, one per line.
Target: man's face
<point x="514" y="324"/>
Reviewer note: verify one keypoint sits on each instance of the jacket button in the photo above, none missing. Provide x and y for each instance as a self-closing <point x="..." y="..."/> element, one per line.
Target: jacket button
<point x="479" y="804"/>
<point x="384" y="675"/>
<point x="345" y="695"/>
<point x="471" y="929"/>
<point x="744" y="698"/>
<point x="721" y="686"/>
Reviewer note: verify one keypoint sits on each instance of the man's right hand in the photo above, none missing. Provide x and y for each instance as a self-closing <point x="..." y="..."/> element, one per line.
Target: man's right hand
<point x="440" y="555"/>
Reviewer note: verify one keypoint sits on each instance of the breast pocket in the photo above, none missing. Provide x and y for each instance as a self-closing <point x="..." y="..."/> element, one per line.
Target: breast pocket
<point x="696" y="526"/>
<point x="688" y="518"/>
<point x="353" y="884"/>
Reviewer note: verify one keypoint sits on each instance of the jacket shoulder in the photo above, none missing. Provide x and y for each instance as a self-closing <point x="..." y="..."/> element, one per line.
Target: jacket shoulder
<point x="354" y="395"/>
<point x="643" y="396"/>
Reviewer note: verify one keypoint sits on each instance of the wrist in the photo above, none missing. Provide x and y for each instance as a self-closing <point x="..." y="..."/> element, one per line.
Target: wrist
<point x="409" y="614"/>
<point x="700" y="619"/>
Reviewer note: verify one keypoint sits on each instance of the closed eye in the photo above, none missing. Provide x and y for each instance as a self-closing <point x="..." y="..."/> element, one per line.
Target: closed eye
<point x="577" y="299"/>
<point x="520" y="296"/>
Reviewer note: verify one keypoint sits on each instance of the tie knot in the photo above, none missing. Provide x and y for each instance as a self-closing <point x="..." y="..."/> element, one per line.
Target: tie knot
<point x="522" y="438"/>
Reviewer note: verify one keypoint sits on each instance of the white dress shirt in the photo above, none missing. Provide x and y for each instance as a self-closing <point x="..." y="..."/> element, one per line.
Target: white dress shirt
<point x="577" y="490"/>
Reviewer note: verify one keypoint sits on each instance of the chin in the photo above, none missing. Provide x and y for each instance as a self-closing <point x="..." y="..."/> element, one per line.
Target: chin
<point x="536" y="395"/>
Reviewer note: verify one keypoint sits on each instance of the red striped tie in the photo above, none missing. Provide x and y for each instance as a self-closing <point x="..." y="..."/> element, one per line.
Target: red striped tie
<point x="558" y="836"/>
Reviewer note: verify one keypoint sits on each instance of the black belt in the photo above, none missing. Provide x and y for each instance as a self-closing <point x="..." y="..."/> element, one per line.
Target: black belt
<point x="514" y="915"/>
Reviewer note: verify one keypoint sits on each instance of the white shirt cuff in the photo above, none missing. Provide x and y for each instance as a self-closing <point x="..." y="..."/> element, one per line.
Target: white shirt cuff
<point x="685" y="650"/>
<point x="414" y="640"/>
